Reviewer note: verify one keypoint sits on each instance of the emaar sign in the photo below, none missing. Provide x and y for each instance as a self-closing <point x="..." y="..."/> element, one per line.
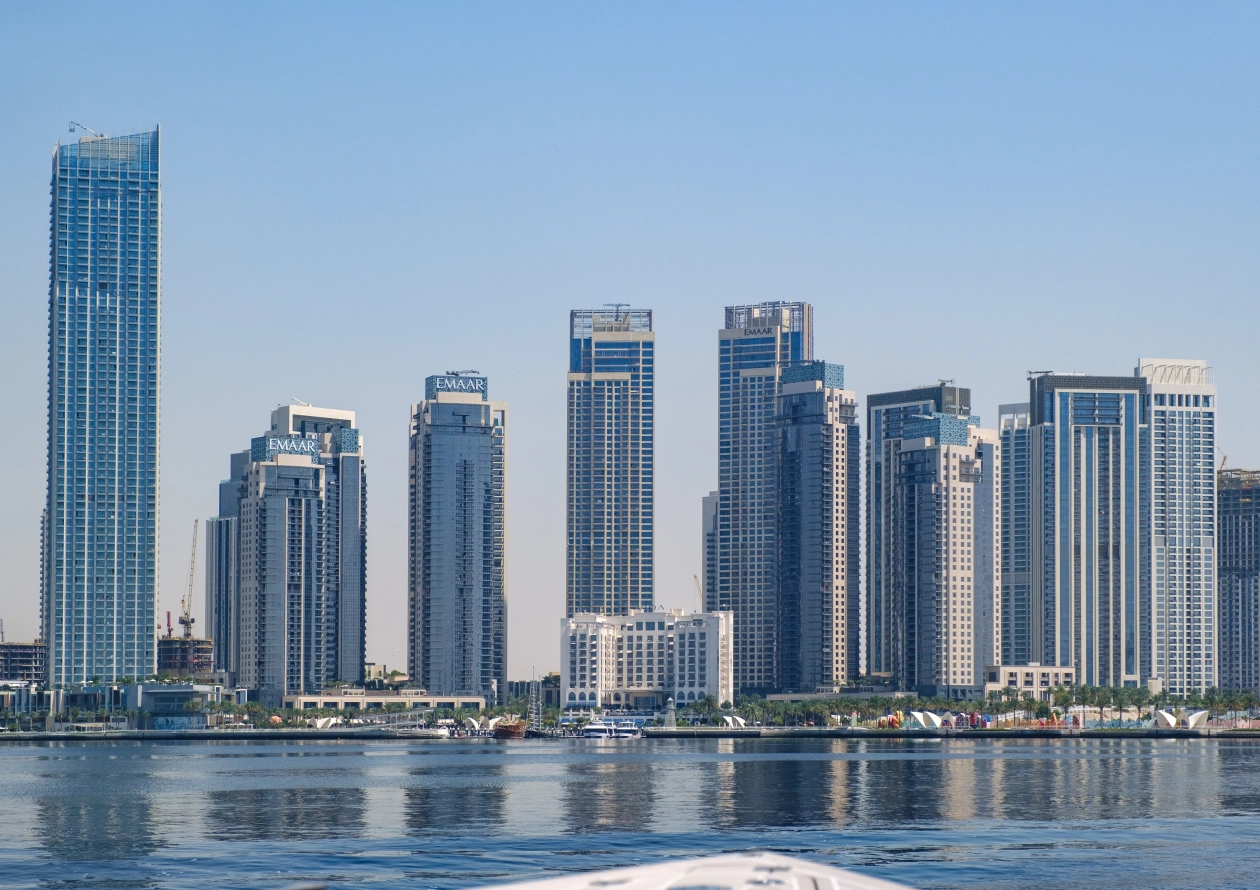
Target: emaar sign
<point x="264" y="448"/>
<point x="439" y="383"/>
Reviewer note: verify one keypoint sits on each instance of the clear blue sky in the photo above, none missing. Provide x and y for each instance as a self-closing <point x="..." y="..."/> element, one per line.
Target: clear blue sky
<point x="358" y="196"/>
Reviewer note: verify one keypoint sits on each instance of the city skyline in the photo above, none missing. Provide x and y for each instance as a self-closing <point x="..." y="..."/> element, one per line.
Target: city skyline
<point x="916" y="179"/>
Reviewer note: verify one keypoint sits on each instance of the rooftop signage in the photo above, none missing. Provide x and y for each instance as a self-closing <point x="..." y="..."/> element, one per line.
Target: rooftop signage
<point x="440" y="383"/>
<point x="264" y="448"/>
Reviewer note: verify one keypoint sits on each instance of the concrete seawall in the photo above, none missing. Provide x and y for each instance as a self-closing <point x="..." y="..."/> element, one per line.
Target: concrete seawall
<point x="684" y="732"/>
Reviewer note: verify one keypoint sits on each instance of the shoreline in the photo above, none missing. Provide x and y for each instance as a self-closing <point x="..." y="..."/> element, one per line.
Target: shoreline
<point x="288" y="735"/>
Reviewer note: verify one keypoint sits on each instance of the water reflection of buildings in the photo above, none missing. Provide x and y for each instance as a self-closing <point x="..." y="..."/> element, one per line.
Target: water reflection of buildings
<point x="609" y="795"/>
<point x="285" y="813"/>
<point x="469" y="800"/>
<point x="96" y="809"/>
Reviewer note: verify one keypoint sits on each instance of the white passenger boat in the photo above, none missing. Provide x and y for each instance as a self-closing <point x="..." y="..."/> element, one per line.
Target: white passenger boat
<point x="606" y="729"/>
<point x="735" y="871"/>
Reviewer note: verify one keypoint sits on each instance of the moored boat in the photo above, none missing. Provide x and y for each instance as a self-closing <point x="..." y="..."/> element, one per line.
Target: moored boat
<point x="513" y="730"/>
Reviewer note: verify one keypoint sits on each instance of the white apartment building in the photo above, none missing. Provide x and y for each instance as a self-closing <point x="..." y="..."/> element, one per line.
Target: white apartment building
<point x="1182" y="553"/>
<point x="641" y="659"/>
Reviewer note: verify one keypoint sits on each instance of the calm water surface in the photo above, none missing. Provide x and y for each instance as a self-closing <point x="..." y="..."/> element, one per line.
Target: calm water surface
<point x="1082" y="813"/>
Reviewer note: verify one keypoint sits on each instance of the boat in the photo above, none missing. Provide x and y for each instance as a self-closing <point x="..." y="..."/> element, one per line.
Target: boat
<point x="599" y="729"/>
<point x="606" y="729"/>
<point x="732" y="870"/>
<point x="513" y="730"/>
<point x="626" y="729"/>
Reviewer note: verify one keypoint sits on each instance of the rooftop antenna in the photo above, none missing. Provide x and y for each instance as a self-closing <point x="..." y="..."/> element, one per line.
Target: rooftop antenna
<point x="74" y="124"/>
<point x="461" y="373"/>
<point x="300" y="402"/>
<point x="617" y="307"/>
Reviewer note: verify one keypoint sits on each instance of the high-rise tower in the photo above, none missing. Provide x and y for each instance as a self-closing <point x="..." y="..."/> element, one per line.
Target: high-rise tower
<point x="1180" y="504"/>
<point x="457" y="625"/>
<point x="612" y="369"/>
<point x="1238" y="567"/>
<point x="817" y="529"/>
<point x="944" y="531"/>
<point x="1017" y="622"/>
<point x="756" y="344"/>
<point x="1088" y="595"/>
<point x="286" y="565"/>
<point x="886" y="417"/>
<point x="100" y="522"/>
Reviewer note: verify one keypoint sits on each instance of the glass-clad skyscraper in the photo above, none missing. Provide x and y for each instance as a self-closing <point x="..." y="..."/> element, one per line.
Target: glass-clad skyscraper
<point x="887" y="415"/>
<point x="611" y="398"/>
<point x="100" y="522"/>
<point x="817" y="529"/>
<point x="1088" y="501"/>
<point x="1238" y="568"/>
<point x="1016" y="544"/>
<point x="754" y="347"/>
<point x="457" y="624"/>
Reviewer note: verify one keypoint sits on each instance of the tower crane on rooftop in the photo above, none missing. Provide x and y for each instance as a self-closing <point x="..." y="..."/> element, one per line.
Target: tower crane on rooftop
<point x="461" y="373"/>
<point x="185" y="604"/>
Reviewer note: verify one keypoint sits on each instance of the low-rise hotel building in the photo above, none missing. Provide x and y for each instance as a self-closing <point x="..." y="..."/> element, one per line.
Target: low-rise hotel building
<point x="641" y="659"/>
<point x="1035" y="680"/>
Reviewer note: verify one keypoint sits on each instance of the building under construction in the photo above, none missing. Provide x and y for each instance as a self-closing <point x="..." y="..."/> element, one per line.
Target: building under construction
<point x="23" y="661"/>
<point x="185" y="655"/>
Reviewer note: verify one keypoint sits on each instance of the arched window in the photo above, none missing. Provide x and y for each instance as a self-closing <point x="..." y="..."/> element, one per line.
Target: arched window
<point x="572" y="697"/>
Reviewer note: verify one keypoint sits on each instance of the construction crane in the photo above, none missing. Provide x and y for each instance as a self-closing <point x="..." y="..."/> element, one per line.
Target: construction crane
<point x="699" y="592"/>
<point x="616" y="308"/>
<point x="1224" y="458"/>
<point x="461" y="373"/>
<point x="74" y="124"/>
<point x="185" y="604"/>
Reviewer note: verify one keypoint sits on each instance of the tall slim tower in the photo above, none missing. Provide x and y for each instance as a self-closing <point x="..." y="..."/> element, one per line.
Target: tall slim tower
<point x="886" y="417"/>
<point x="756" y="344"/>
<point x="612" y="371"/>
<point x="457" y="624"/>
<point x="818" y="489"/>
<point x="1017" y="623"/>
<point x="945" y="615"/>
<point x="1238" y="567"/>
<point x="1088" y="597"/>
<point x="1180" y="495"/>
<point x="100" y="523"/>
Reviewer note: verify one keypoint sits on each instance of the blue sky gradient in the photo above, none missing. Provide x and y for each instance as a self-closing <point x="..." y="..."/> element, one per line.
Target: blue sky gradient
<point x="358" y="196"/>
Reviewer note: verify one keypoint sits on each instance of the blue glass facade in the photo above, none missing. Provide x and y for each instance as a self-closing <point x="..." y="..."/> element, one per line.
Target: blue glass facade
<point x="1087" y="486"/>
<point x="1016" y="535"/>
<point x="100" y="523"/>
<point x="457" y="624"/>
<point x="611" y="399"/>
<point x="756" y="345"/>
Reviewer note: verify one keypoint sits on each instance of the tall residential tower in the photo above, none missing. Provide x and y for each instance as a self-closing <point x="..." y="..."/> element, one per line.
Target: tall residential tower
<point x="886" y="417"/>
<point x="1016" y="544"/>
<point x="286" y="565"/>
<point x="1180" y="500"/>
<point x="99" y="558"/>
<point x="945" y="612"/>
<point x="1238" y="567"/>
<point x="457" y="620"/>
<point x="612" y="371"/>
<point x="818" y="456"/>
<point x="755" y="345"/>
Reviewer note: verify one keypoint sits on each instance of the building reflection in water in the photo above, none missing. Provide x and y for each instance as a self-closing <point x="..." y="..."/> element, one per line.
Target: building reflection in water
<point x="614" y="795"/>
<point x="285" y="813"/>
<point x="469" y="800"/>
<point x="97" y="810"/>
